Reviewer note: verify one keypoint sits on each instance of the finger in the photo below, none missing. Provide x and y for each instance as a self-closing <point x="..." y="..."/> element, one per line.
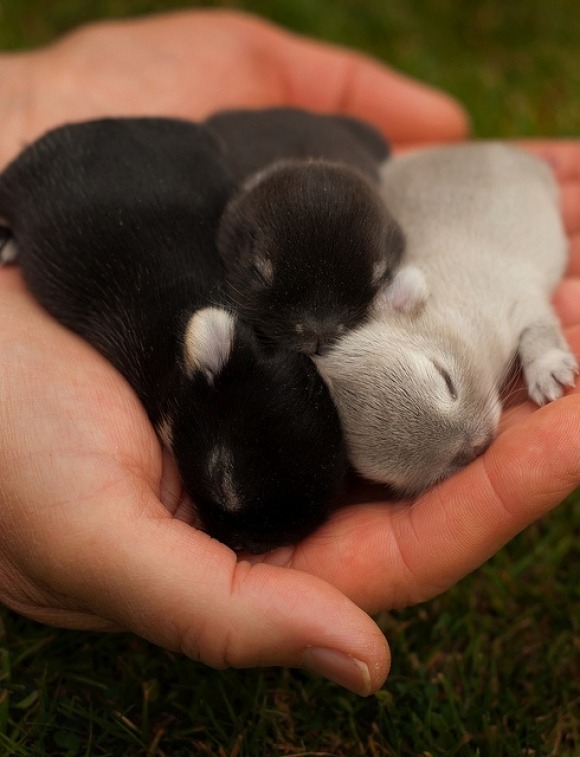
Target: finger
<point x="564" y="157"/>
<point x="180" y="589"/>
<point x="192" y="595"/>
<point x="562" y="154"/>
<point x="567" y="301"/>
<point x="329" y="78"/>
<point x="570" y="201"/>
<point x="396" y="555"/>
<point x="574" y="259"/>
<point x="529" y="470"/>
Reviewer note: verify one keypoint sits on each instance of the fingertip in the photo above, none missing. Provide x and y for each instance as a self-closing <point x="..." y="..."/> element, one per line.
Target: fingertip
<point x="347" y="671"/>
<point x="408" y="111"/>
<point x="318" y="628"/>
<point x="570" y="204"/>
<point x="563" y="155"/>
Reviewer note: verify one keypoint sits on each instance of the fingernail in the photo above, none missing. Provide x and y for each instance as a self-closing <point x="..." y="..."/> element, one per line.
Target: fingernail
<point x="339" y="668"/>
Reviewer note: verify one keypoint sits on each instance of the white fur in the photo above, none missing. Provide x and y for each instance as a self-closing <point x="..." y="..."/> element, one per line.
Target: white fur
<point x="165" y="432"/>
<point x="407" y="291"/>
<point x="208" y="341"/>
<point x="482" y="223"/>
<point x="546" y="376"/>
<point x="8" y="253"/>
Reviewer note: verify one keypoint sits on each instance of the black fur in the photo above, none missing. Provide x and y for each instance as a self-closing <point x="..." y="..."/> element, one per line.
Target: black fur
<point x="306" y="251"/>
<point x="114" y="222"/>
<point x="276" y="414"/>
<point x="5" y="236"/>
<point x="307" y="244"/>
<point x="254" y="139"/>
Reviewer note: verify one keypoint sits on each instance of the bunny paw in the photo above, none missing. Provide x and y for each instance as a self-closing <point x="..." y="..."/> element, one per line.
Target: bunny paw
<point x="547" y="376"/>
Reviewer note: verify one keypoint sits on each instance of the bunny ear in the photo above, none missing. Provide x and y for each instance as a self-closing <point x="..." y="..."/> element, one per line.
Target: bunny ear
<point x="408" y="291"/>
<point x="208" y="341"/>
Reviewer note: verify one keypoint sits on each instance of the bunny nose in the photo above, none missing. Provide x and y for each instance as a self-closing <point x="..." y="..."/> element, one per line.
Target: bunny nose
<point x="318" y="346"/>
<point x="480" y="448"/>
<point x="472" y="450"/>
<point x="312" y="346"/>
<point x="320" y="333"/>
<point x="318" y="343"/>
<point x="463" y="458"/>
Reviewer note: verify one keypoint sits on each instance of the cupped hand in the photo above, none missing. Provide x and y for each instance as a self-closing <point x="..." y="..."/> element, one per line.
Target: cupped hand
<point x="189" y="64"/>
<point x="93" y="530"/>
<point x="385" y="555"/>
<point x="90" y="537"/>
<point x="90" y="527"/>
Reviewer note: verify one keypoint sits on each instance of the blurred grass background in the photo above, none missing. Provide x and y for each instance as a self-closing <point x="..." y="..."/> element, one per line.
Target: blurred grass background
<point x="490" y="668"/>
<point x="516" y="66"/>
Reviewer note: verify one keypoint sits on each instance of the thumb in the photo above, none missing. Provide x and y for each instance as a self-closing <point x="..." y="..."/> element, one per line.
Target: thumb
<point x="183" y="590"/>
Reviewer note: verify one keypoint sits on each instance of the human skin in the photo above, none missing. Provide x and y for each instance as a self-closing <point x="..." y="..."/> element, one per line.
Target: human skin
<point x="95" y="532"/>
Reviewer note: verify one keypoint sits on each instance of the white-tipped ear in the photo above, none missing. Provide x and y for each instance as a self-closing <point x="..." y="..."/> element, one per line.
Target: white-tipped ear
<point x="8" y="250"/>
<point x="408" y="291"/>
<point x="165" y="431"/>
<point x="208" y="341"/>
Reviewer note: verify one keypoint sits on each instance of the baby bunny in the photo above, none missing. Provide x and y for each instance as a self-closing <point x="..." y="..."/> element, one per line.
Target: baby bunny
<point x="308" y="242"/>
<point x="255" y="139"/>
<point x="419" y="394"/>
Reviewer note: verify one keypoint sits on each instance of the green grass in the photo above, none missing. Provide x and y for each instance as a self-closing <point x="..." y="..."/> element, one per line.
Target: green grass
<point x="490" y="668"/>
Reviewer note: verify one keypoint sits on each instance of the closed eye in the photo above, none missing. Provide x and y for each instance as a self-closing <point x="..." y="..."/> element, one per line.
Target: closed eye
<point x="448" y="381"/>
<point x="263" y="270"/>
<point x="259" y="277"/>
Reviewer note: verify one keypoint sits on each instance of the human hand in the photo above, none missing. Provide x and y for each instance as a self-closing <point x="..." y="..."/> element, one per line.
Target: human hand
<point x="92" y="534"/>
<point x="189" y="64"/>
<point x="92" y="531"/>
<point x="385" y="555"/>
